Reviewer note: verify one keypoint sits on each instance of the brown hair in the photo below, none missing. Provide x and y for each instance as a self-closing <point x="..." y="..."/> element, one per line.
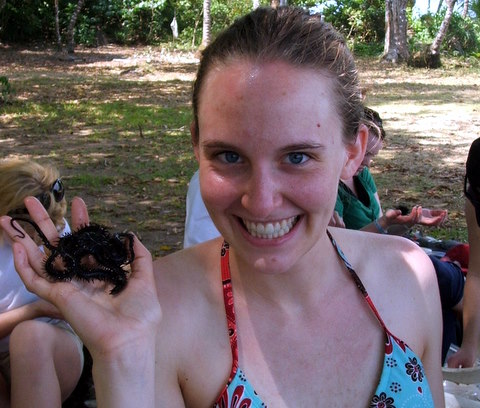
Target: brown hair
<point x="20" y="178"/>
<point x="291" y="35"/>
<point x="374" y="123"/>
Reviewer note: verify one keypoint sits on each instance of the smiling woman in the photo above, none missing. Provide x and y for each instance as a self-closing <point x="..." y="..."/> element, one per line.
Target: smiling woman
<point x="273" y="310"/>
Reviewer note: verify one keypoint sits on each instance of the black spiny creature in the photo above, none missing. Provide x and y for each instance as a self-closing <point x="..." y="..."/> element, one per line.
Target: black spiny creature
<point x="87" y="254"/>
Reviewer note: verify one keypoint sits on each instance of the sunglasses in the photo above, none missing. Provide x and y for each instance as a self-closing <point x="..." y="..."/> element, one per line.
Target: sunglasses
<point x="58" y="191"/>
<point x="471" y="194"/>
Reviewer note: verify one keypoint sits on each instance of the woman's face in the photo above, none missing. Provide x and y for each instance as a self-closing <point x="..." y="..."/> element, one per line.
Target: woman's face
<point x="270" y="155"/>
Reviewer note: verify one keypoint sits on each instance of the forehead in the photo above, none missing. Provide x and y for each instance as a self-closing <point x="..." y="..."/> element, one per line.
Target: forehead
<point x="277" y="92"/>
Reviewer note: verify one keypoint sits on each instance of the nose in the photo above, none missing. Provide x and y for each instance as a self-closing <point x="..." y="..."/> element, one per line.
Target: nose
<point x="262" y="193"/>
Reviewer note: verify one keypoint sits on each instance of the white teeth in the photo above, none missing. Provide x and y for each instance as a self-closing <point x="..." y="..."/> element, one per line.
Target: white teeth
<point x="270" y="230"/>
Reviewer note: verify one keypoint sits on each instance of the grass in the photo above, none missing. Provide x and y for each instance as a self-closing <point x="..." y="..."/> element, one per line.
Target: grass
<point x="117" y="126"/>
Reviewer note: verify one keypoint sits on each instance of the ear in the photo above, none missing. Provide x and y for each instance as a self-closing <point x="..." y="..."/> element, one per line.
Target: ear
<point x="194" y="136"/>
<point x="355" y="152"/>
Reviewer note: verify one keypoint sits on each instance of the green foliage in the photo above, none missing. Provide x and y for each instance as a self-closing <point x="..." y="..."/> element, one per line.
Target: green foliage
<point x="462" y="38"/>
<point x="373" y="49"/>
<point x="6" y="90"/>
<point x="364" y="20"/>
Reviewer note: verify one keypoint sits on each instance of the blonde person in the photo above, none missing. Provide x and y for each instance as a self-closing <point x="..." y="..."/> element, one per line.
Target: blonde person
<point x="40" y="357"/>
<point x="271" y="313"/>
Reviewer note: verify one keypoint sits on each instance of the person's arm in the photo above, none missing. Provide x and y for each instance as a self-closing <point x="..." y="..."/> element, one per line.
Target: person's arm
<point x="39" y="308"/>
<point x="119" y="331"/>
<point x="468" y="352"/>
<point x="199" y="226"/>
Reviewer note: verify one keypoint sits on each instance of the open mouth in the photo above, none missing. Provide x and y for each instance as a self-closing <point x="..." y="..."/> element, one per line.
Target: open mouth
<point x="270" y="230"/>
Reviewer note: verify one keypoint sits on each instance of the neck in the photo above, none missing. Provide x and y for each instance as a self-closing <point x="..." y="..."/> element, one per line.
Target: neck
<point x="317" y="273"/>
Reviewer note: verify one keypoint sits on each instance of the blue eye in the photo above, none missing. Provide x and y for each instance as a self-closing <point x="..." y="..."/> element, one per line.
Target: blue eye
<point x="230" y="157"/>
<point x="297" y="158"/>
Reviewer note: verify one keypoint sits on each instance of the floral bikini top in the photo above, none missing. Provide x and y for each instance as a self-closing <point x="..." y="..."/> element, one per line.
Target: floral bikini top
<point x="402" y="384"/>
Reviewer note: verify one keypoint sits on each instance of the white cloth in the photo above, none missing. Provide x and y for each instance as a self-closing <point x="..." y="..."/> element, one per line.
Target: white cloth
<point x="199" y="226"/>
<point x="13" y="292"/>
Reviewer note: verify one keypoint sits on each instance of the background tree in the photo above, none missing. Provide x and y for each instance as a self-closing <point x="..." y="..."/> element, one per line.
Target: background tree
<point x="71" y="27"/>
<point x="57" y="25"/>
<point x="465" y="8"/>
<point x="206" y="23"/>
<point x="396" y="44"/>
<point x="437" y="42"/>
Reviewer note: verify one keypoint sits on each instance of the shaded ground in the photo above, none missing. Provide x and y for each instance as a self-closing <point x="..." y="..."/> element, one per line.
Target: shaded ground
<point x="121" y="166"/>
<point x="115" y="121"/>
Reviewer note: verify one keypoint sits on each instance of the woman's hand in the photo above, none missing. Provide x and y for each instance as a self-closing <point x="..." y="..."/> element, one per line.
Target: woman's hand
<point x="418" y="215"/>
<point x="430" y="217"/>
<point x="105" y="323"/>
<point x="395" y="217"/>
<point x="119" y="331"/>
<point x="464" y="357"/>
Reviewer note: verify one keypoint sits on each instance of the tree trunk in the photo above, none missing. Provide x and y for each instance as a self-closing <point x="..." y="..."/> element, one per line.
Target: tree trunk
<point x="396" y="45"/>
<point x="206" y="23"/>
<point x="437" y="42"/>
<point x="466" y="4"/>
<point x="71" y="27"/>
<point x="440" y="3"/>
<point x="57" y="26"/>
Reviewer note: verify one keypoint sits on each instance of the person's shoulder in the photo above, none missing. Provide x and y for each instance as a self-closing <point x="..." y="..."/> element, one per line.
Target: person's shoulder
<point x="189" y="288"/>
<point x="396" y="257"/>
<point x="189" y="272"/>
<point x="400" y="279"/>
<point x="191" y="258"/>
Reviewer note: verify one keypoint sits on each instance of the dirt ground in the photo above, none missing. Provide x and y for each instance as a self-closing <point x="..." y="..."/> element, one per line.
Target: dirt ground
<point x="430" y="117"/>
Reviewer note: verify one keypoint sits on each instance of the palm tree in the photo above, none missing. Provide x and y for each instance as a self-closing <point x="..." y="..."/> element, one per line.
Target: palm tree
<point x="71" y="27"/>
<point x="442" y="31"/>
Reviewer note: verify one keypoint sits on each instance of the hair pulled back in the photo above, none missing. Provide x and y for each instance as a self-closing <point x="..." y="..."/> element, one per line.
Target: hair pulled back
<point x="290" y="35"/>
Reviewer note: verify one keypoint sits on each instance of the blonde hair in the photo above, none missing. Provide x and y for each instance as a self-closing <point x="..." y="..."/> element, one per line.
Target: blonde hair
<point x="20" y="178"/>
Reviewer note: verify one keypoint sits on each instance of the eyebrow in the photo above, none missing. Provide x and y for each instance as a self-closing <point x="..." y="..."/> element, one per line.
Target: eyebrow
<point x="218" y="144"/>
<point x="303" y="146"/>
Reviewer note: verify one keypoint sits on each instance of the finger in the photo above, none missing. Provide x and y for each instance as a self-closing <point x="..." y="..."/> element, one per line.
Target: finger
<point x="142" y="266"/>
<point x="40" y="216"/>
<point x="80" y="216"/>
<point x="30" y="277"/>
<point x="35" y="255"/>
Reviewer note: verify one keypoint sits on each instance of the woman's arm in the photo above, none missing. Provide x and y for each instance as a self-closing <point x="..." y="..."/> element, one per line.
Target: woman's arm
<point x="468" y="353"/>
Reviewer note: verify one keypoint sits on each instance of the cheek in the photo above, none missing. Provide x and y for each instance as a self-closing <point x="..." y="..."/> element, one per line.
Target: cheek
<point x="316" y="194"/>
<point x="217" y="192"/>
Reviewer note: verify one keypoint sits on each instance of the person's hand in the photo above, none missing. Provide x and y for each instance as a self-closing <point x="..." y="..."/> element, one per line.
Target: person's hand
<point x="464" y="357"/>
<point x="430" y="217"/>
<point x="395" y="217"/>
<point x="336" y="221"/>
<point x="108" y="325"/>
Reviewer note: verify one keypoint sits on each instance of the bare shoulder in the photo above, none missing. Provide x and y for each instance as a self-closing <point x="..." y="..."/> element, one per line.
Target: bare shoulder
<point x="394" y="255"/>
<point x="188" y="275"/>
<point x="190" y="293"/>
<point x="400" y="279"/>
